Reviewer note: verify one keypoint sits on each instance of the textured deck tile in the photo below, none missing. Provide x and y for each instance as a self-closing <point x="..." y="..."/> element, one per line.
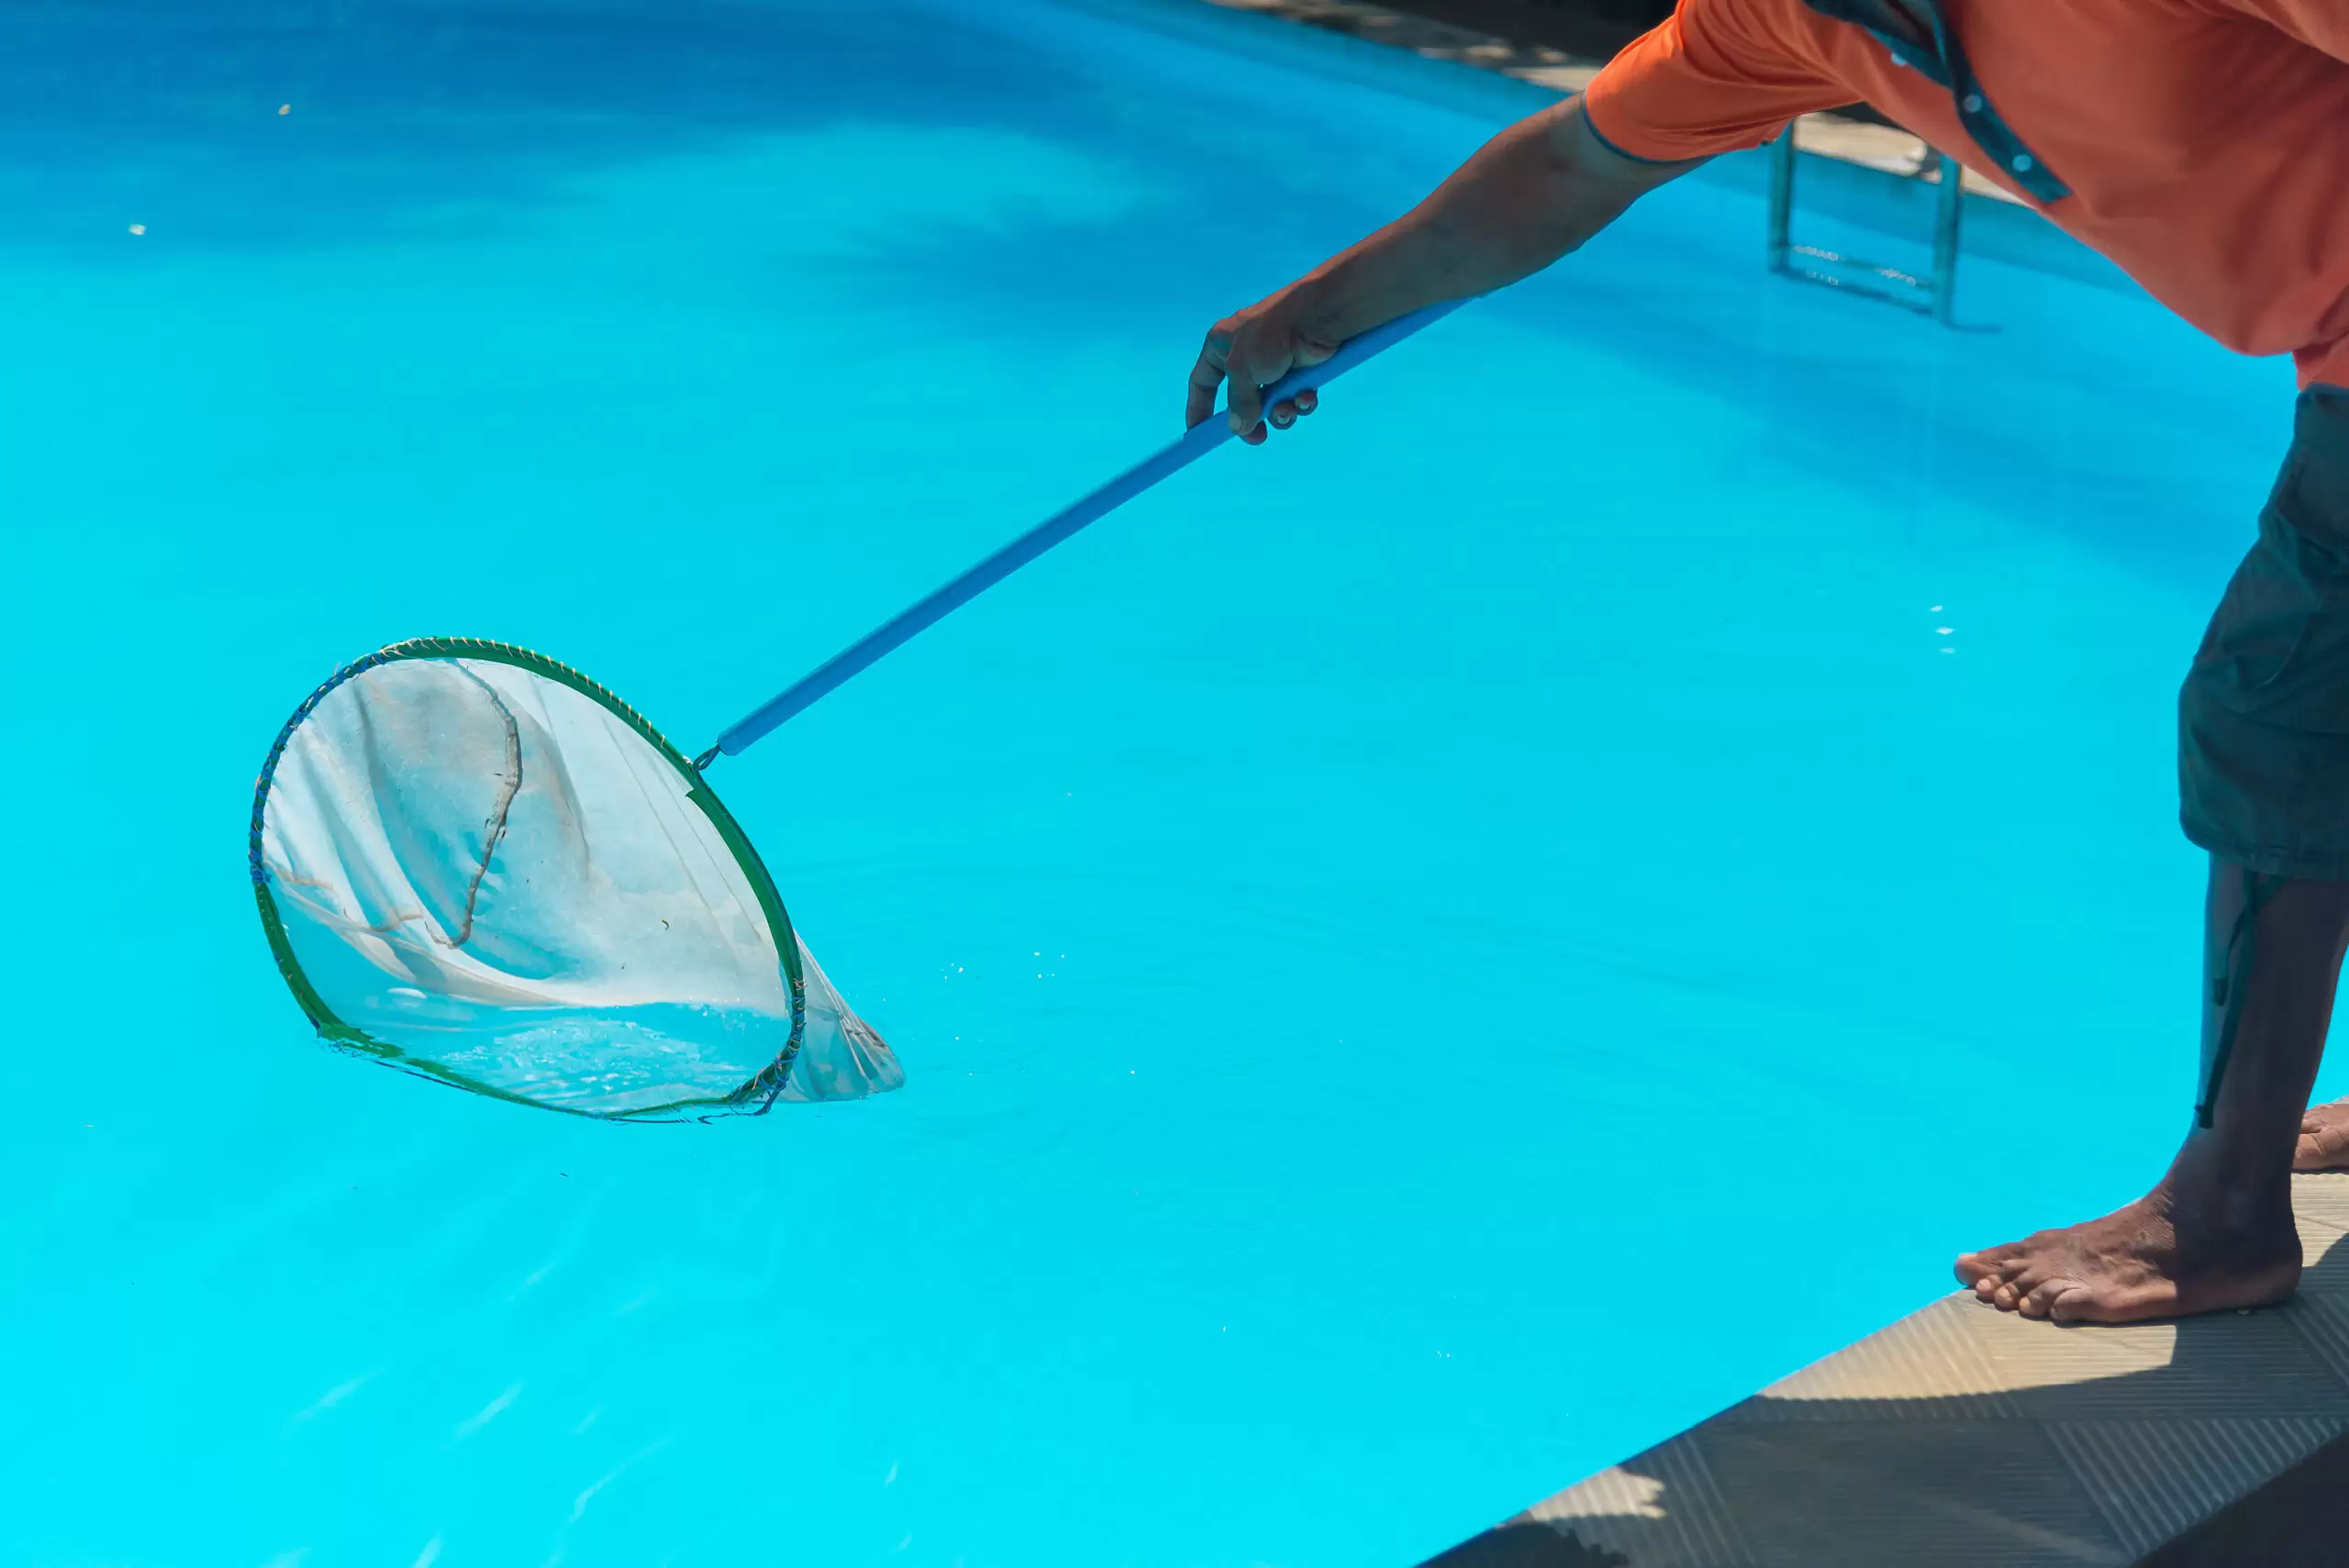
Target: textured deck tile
<point x="2155" y="1480"/>
<point x="1962" y="1435"/>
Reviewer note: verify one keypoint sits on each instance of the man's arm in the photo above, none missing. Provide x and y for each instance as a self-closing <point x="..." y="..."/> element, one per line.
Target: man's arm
<point x="1531" y="194"/>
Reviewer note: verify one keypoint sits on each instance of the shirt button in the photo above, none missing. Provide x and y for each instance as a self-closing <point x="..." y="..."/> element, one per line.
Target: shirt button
<point x="1974" y="103"/>
<point x="2022" y="163"/>
<point x="1897" y="60"/>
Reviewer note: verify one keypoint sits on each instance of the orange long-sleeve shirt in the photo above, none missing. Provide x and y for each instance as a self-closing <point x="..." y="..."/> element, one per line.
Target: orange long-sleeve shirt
<point x="2203" y="145"/>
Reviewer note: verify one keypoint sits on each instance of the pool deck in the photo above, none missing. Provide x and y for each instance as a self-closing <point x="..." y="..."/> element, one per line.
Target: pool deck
<point x="1961" y="1434"/>
<point x="1965" y="1435"/>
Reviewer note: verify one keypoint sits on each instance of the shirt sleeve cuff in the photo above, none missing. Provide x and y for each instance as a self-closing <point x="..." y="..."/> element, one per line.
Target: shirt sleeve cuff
<point x="1617" y="148"/>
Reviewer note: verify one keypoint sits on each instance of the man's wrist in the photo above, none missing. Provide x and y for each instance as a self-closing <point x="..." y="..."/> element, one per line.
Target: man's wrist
<point x="1326" y="307"/>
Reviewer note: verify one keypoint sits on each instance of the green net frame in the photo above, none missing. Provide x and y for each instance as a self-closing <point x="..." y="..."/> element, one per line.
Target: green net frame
<point x="753" y="1098"/>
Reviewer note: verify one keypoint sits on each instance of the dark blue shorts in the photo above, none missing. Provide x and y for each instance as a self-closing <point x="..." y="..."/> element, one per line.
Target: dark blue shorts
<point x="2264" y="719"/>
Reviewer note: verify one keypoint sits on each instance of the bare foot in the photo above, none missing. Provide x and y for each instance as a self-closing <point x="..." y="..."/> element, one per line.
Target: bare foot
<point x="2143" y="1261"/>
<point x="2324" y="1138"/>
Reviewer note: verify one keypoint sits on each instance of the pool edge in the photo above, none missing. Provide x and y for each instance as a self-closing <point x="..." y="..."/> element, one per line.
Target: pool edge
<point x="2209" y="1441"/>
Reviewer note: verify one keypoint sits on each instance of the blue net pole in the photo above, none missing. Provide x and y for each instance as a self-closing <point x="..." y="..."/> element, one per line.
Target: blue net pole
<point x="1196" y="443"/>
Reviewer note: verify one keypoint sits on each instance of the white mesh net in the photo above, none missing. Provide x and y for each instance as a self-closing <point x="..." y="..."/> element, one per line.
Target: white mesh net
<point x="493" y="878"/>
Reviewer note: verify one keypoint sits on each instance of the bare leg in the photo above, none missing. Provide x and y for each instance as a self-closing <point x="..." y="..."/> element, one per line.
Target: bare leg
<point x="2217" y="1230"/>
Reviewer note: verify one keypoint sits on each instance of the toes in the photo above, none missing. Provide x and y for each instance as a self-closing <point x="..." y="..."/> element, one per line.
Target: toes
<point x="2041" y="1299"/>
<point x="2018" y="1277"/>
<point x="2075" y="1304"/>
<point x="2027" y="1274"/>
<point x="2086" y="1304"/>
<point x="2324" y="1138"/>
<point x="1990" y="1262"/>
<point x="2323" y="1144"/>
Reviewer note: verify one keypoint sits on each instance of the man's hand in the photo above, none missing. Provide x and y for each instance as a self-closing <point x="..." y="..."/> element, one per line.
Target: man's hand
<point x="1253" y="349"/>
<point x="1529" y="196"/>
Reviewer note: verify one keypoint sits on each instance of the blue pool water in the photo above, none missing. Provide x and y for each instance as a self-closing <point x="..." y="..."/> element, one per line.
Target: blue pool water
<point x="1428" y="956"/>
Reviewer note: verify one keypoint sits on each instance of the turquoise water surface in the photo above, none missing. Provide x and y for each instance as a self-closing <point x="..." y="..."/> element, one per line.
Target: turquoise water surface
<point x="1427" y="957"/>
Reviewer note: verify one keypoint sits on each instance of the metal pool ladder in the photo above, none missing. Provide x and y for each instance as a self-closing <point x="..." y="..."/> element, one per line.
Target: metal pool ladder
<point x="1934" y="295"/>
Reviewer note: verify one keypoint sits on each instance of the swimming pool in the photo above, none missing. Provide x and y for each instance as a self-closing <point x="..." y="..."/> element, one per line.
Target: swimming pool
<point x="1427" y="957"/>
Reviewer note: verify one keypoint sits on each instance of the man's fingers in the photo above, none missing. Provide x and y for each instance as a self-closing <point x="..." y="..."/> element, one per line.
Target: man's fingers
<point x="1253" y="365"/>
<point x="1235" y="360"/>
<point x="1198" y="403"/>
<point x="1245" y="401"/>
<point x="1289" y="410"/>
<point x="1205" y="376"/>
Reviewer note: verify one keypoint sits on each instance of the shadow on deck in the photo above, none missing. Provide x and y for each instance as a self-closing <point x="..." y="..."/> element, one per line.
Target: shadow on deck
<point x="1961" y="1435"/>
